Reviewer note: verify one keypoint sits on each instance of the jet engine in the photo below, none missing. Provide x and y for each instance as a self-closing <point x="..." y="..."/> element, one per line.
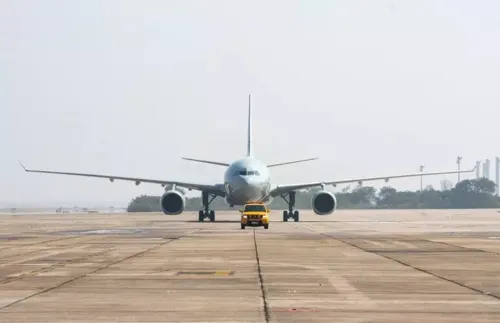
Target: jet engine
<point x="324" y="203"/>
<point x="172" y="202"/>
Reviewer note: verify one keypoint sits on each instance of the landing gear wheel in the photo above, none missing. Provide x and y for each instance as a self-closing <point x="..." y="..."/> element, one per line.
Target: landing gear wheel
<point x="266" y="226"/>
<point x="242" y="226"/>
<point x="206" y="213"/>
<point x="291" y="205"/>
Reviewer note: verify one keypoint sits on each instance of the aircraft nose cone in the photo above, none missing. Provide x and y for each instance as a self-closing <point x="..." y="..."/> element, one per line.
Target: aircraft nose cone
<point x="246" y="188"/>
<point x="248" y="181"/>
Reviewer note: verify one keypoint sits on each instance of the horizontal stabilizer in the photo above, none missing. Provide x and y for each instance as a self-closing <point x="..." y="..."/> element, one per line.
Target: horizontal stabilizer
<point x="206" y="161"/>
<point x="292" y="162"/>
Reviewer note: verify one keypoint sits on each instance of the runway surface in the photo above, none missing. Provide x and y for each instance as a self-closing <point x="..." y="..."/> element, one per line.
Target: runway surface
<point x="352" y="266"/>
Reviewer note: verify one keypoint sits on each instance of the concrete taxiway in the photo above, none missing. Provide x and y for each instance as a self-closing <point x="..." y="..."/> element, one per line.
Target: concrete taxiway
<point x="352" y="266"/>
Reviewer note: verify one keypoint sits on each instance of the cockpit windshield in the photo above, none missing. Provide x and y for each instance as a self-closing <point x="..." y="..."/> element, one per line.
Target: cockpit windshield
<point x="247" y="172"/>
<point x="255" y="208"/>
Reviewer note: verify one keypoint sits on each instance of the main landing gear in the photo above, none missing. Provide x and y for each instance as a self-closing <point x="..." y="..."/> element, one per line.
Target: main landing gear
<point x="291" y="213"/>
<point x="206" y="213"/>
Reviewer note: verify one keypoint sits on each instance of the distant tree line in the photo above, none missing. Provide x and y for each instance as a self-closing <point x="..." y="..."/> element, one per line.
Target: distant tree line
<point x="475" y="193"/>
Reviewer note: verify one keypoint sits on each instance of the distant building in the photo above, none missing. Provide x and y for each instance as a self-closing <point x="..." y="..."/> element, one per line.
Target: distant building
<point x="446" y="185"/>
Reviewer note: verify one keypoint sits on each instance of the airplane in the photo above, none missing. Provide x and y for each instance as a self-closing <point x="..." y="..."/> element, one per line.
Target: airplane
<point x="246" y="180"/>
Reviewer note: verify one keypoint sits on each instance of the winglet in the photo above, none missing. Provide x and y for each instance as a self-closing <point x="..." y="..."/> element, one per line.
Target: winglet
<point x="24" y="167"/>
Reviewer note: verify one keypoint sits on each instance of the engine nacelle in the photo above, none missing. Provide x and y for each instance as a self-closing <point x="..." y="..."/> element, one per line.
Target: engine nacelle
<point x="324" y="203"/>
<point x="172" y="202"/>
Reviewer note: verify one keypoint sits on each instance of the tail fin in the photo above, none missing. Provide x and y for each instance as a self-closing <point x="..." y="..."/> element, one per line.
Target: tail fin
<point x="249" y="135"/>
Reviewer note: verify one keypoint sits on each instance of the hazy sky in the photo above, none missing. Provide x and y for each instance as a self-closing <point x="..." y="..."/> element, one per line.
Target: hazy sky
<point x="128" y="87"/>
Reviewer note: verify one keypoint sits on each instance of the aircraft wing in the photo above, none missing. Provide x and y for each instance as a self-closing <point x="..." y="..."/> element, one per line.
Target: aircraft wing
<point x="282" y="189"/>
<point x="216" y="189"/>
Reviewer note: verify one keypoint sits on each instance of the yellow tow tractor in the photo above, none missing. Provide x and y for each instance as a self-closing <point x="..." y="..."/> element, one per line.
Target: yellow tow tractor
<point x="254" y="215"/>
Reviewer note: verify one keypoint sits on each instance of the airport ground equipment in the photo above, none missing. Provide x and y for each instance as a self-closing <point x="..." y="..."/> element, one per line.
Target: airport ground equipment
<point x="255" y="215"/>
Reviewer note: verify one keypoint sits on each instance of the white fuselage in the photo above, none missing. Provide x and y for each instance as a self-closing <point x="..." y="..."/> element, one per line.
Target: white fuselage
<point x="247" y="180"/>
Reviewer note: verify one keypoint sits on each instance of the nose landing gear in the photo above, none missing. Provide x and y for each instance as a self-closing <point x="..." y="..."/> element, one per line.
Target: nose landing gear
<point x="206" y="213"/>
<point x="291" y="213"/>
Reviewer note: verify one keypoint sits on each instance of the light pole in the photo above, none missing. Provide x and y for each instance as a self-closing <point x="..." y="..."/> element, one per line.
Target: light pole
<point x="421" y="177"/>
<point x="459" y="159"/>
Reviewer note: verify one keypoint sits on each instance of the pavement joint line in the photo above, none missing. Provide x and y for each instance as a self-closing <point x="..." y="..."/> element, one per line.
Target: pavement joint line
<point x="35" y="251"/>
<point x="92" y="272"/>
<point x="32" y="244"/>
<point x="54" y="266"/>
<point x="461" y="247"/>
<point x="46" y="241"/>
<point x="90" y="239"/>
<point x="407" y="264"/>
<point x="261" y="280"/>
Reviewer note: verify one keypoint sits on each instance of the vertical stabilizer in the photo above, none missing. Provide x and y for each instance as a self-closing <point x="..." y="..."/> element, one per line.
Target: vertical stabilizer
<point x="249" y="135"/>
